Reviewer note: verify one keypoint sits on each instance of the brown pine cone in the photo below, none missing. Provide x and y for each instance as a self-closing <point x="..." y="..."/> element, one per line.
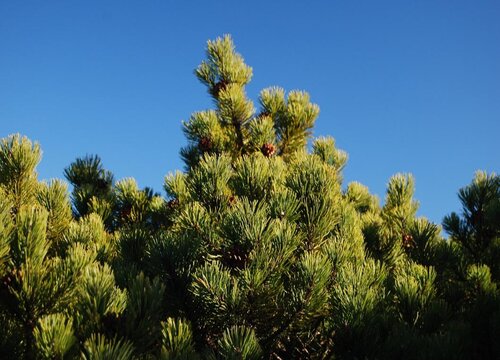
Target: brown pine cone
<point x="268" y="149"/>
<point x="218" y="87"/>
<point x="6" y="280"/>
<point x="236" y="258"/>
<point x="172" y="204"/>
<point x="126" y="211"/>
<point x="263" y="114"/>
<point x="407" y="240"/>
<point x="205" y="144"/>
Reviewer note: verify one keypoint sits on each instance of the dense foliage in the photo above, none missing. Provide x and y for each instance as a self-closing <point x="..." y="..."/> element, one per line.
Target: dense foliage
<point x="257" y="252"/>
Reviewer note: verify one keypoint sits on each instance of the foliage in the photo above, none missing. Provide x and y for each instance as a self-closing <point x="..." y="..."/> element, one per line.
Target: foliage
<point x="258" y="251"/>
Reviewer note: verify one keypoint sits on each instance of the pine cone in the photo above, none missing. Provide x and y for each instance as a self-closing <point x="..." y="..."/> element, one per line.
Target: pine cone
<point x="6" y="280"/>
<point x="268" y="149"/>
<point x="263" y="114"/>
<point x="218" y="87"/>
<point x="172" y="204"/>
<point x="7" y="298"/>
<point x="232" y="200"/>
<point x="205" y="144"/>
<point x="126" y="211"/>
<point x="236" y="257"/>
<point x="407" y="241"/>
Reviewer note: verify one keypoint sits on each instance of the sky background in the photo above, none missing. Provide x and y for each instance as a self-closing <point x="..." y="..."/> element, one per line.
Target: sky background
<point x="403" y="86"/>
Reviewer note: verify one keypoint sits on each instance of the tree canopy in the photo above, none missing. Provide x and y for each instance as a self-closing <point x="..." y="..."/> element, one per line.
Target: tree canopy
<point x="258" y="250"/>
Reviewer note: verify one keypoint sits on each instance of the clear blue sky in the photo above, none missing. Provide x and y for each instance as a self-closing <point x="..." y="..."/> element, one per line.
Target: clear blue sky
<point x="403" y="86"/>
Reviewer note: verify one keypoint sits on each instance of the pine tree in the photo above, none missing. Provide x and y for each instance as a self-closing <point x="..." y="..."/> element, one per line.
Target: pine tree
<point x="259" y="251"/>
<point x="476" y="238"/>
<point x="263" y="236"/>
<point x="478" y="231"/>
